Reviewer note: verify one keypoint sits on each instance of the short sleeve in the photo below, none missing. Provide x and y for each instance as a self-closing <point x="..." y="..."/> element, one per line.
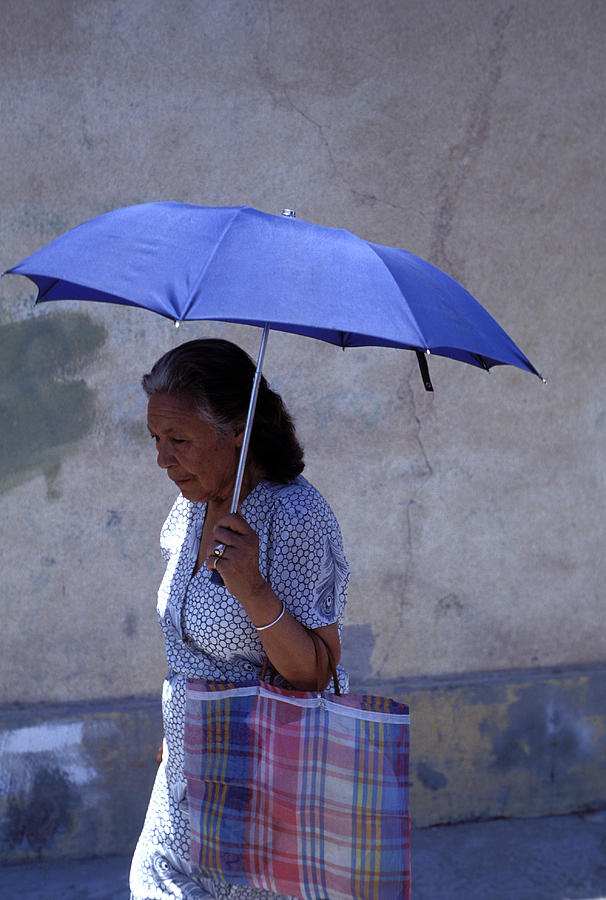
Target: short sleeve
<point x="307" y="568"/>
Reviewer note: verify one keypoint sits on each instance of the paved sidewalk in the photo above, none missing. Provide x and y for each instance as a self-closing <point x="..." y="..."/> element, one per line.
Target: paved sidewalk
<point x="557" y="858"/>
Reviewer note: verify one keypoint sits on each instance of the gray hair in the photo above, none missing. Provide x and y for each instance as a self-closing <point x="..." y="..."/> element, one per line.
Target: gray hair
<point x="172" y="375"/>
<point x="217" y="377"/>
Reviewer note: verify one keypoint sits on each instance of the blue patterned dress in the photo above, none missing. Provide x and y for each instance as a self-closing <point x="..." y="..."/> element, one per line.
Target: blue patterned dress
<point x="208" y="635"/>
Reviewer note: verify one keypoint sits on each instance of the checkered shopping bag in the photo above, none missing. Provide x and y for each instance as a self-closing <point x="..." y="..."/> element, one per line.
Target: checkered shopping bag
<point x="299" y="793"/>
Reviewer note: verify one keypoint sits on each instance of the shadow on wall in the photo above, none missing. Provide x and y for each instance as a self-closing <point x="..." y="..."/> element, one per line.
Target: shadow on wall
<point x="358" y="644"/>
<point x="44" y="409"/>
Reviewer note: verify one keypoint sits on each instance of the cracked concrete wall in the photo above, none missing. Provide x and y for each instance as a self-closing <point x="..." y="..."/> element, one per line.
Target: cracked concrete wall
<point x="470" y="133"/>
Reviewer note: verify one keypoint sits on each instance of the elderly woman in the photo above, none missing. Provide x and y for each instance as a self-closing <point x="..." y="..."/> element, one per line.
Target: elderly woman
<point x="283" y="570"/>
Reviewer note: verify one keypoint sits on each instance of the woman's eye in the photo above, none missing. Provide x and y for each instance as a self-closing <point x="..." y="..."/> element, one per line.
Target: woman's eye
<point x="173" y="440"/>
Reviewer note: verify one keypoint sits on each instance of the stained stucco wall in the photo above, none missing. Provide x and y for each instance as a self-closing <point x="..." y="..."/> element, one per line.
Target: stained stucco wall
<point x="470" y="133"/>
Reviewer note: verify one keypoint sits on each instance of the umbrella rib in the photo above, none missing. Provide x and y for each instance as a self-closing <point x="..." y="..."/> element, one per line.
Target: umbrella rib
<point x="481" y="362"/>
<point x="207" y="262"/>
<point x="422" y="340"/>
<point x="41" y="297"/>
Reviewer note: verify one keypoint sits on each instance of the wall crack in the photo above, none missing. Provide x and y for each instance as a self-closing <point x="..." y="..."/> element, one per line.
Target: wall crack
<point x="404" y="604"/>
<point x="462" y="156"/>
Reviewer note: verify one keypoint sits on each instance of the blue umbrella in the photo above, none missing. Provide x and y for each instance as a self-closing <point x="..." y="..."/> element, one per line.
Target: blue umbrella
<point x="236" y="264"/>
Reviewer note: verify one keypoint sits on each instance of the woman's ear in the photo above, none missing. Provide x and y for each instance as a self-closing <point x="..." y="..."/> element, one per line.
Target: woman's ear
<point x="239" y="436"/>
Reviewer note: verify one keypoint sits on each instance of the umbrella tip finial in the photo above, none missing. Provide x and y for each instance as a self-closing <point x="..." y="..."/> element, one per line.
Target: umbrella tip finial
<point x="176" y="323"/>
<point x="290" y="213"/>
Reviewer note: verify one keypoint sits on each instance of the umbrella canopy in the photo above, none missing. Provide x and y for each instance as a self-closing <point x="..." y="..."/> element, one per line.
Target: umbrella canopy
<point x="237" y="264"/>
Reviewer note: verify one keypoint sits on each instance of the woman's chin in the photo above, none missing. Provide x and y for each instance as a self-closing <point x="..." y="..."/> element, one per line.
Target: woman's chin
<point x="189" y="489"/>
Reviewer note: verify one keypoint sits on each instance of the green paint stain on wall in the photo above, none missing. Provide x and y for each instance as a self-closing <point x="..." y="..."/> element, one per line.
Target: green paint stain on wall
<point x="45" y="409"/>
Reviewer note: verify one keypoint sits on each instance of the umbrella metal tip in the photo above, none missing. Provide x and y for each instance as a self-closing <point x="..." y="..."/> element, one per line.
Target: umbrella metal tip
<point x="289" y="213"/>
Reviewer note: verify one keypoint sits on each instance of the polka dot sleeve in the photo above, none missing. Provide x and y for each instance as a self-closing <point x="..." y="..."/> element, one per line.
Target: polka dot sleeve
<point x="306" y="563"/>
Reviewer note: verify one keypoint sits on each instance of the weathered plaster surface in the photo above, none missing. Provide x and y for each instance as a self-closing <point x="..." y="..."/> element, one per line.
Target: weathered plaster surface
<point x="525" y="743"/>
<point x="74" y="779"/>
<point x="469" y="133"/>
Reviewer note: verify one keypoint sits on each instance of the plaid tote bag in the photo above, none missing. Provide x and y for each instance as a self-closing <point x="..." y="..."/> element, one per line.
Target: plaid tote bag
<point x="299" y="793"/>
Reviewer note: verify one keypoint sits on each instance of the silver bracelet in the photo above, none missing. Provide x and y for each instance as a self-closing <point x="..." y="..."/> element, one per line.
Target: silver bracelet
<point x="275" y="621"/>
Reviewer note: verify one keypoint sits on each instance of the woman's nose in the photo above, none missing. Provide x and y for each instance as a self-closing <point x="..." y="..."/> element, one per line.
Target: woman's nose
<point x="165" y="456"/>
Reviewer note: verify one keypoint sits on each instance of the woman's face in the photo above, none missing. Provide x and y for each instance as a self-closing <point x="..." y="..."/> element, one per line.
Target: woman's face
<point x="200" y="461"/>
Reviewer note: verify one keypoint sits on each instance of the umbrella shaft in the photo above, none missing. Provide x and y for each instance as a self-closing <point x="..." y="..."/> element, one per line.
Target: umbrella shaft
<point x="249" y="421"/>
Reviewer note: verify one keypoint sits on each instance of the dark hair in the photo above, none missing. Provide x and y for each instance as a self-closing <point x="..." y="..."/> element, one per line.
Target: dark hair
<point x="217" y="377"/>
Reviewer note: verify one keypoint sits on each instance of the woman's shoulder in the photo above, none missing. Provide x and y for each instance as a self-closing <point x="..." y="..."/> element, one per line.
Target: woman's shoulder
<point x="183" y="514"/>
<point x="296" y="497"/>
<point x="297" y="504"/>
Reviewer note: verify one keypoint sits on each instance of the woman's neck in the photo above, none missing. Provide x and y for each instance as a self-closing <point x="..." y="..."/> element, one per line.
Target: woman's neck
<point x="252" y="476"/>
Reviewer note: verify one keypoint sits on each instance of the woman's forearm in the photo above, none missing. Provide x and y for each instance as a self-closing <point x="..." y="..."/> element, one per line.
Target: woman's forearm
<point x="287" y="643"/>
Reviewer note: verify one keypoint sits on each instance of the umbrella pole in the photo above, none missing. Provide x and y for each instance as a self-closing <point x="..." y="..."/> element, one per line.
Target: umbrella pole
<point x="249" y="422"/>
<point x="214" y="575"/>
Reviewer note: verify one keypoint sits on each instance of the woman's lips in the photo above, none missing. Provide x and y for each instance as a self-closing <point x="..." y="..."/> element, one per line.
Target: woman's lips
<point x="181" y="481"/>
